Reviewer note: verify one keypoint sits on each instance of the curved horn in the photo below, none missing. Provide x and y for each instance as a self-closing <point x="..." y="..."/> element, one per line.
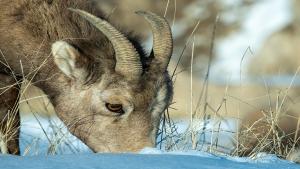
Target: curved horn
<point x="162" y="38"/>
<point x="128" y="61"/>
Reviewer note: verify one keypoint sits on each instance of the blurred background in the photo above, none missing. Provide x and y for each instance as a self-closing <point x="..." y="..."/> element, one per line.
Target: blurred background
<point x="256" y="48"/>
<point x="254" y="58"/>
<point x="232" y="58"/>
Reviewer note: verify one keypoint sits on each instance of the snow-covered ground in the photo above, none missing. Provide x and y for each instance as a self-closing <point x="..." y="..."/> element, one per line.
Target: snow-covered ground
<point x="47" y="136"/>
<point x="151" y="159"/>
<point x="39" y="151"/>
<point x="44" y="136"/>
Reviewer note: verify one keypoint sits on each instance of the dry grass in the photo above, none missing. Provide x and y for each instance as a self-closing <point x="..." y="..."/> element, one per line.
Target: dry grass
<point x="271" y="127"/>
<point x="274" y="130"/>
<point x="268" y="133"/>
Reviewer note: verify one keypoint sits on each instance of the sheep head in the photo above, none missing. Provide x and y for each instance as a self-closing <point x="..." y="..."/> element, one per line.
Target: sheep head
<point x="120" y="111"/>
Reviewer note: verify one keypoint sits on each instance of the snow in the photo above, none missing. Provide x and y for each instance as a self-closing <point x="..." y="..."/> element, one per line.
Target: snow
<point x="39" y="157"/>
<point x="58" y="140"/>
<point x="142" y="161"/>
<point x="44" y="136"/>
<point x="207" y="133"/>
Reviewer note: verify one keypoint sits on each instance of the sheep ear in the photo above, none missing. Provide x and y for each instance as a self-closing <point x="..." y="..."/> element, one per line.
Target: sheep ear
<point x="66" y="57"/>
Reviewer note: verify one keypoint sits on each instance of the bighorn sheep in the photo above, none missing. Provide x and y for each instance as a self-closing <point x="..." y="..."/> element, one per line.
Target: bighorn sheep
<point x="100" y="81"/>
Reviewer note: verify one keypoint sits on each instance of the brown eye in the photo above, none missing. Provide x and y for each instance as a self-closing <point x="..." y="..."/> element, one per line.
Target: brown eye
<point x="116" y="108"/>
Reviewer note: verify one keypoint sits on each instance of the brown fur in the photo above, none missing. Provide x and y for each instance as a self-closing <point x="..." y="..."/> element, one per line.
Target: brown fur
<point x="9" y="115"/>
<point x="28" y="28"/>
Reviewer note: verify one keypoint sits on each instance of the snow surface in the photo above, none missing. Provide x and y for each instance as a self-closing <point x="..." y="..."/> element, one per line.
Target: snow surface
<point x="142" y="161"/>
<point x="44" y="136"/>
<point x="75" y="155"/>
